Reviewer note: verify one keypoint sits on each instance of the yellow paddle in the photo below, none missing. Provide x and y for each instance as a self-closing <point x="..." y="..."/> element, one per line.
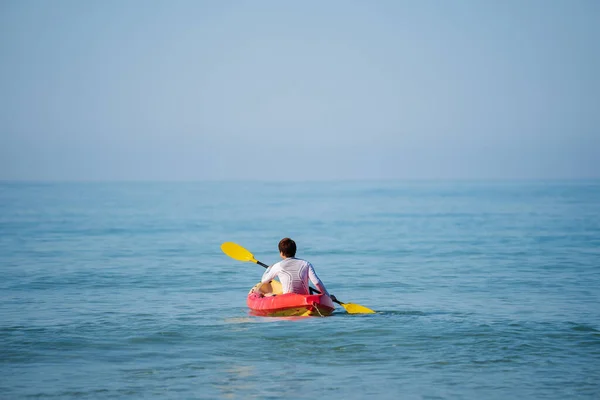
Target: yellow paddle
<point x="239" y="253"/>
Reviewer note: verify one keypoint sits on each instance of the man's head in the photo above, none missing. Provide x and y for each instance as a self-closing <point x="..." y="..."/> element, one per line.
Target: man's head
<point x="287" y="247"/>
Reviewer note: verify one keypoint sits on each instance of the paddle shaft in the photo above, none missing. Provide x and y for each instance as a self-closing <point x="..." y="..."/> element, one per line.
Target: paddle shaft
<point x="262" y="264"/>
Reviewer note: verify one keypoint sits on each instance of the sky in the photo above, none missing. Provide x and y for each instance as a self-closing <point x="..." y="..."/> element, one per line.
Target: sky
<point x="273" y="90"/>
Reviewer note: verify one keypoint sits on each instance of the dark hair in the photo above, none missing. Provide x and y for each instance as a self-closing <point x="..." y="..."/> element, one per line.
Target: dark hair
<point x="287" y="247"/>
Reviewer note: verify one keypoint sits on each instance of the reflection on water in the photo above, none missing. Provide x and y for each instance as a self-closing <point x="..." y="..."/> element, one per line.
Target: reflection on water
<point x="237" y="379"/>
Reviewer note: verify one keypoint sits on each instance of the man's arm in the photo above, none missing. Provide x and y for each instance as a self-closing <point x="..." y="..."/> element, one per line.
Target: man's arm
<point x="312" y="275"/>
<point x="270" y="273"/>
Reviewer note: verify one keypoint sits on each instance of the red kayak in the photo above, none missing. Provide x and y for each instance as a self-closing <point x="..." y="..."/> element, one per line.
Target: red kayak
<point x="268" y="300"/>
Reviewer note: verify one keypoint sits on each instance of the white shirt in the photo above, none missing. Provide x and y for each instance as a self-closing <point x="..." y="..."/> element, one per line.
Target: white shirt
<point x="294" y="274"/>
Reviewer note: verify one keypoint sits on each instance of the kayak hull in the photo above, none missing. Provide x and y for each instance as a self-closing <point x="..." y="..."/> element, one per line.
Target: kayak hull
<point x="267" y="300"/>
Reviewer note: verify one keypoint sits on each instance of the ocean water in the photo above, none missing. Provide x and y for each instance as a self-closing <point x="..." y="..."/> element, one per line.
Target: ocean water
<point x="483" y="290"/>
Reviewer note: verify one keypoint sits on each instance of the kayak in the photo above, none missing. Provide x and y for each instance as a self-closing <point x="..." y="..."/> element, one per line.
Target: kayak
<point x="268" y="300"/>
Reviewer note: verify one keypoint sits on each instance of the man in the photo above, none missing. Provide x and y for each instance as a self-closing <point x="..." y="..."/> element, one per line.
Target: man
<point x="294" y="273"/>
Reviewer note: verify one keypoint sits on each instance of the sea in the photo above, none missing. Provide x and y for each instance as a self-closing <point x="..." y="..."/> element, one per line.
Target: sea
<point x="120" y="290"/>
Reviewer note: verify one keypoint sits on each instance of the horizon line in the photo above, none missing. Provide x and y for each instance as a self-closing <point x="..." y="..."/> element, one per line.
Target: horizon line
<point x="332" y="180"/>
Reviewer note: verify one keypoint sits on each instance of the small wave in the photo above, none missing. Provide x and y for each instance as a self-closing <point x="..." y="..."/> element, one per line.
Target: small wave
<point x="396" y="312"/>
<point x="584" y="328"/>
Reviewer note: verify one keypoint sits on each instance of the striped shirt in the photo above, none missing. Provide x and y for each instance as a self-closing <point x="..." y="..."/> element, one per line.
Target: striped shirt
<point x="294" y="274"/>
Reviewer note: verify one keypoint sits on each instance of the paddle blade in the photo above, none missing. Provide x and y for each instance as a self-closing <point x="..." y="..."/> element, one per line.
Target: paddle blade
<point x="352" y="308"/>
<point x="237" y="252"/>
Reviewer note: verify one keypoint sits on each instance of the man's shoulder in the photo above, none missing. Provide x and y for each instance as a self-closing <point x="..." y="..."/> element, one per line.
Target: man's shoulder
<point x="300" y="261"/>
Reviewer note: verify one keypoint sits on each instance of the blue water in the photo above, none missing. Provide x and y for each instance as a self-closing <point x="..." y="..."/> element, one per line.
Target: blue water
<point x="120" y="290"/>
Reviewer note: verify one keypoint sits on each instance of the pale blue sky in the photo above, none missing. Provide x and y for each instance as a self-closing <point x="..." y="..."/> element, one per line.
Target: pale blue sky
<point x="302" y="90"/>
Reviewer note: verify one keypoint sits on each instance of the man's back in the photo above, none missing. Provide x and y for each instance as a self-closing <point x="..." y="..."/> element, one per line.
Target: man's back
<point x="294" y="274"/>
